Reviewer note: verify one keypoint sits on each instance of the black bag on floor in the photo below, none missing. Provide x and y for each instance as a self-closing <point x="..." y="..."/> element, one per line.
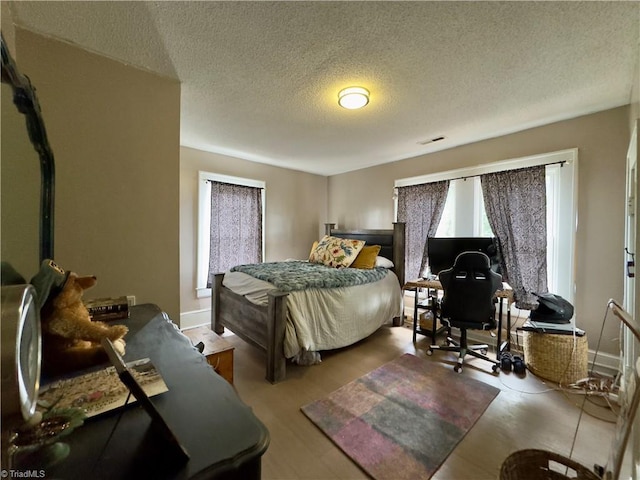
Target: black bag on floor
<point x="552" y="308"/>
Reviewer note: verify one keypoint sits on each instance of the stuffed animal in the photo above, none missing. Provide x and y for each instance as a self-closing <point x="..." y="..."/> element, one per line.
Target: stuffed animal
<point x="70" y="339"/>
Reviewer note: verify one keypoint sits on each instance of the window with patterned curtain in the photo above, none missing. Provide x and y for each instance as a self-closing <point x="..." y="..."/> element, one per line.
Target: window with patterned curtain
<point x="420" y="207"/>
<point x="515" y="201"/>
<point x="236" y="226"/>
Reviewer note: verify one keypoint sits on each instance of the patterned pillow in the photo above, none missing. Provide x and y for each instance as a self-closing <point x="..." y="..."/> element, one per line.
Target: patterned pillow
<point x="313" y="247"/>
<point x="336" y="252"/>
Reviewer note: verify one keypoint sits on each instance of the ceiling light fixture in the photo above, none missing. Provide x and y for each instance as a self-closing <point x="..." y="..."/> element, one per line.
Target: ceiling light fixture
<point x="353" y="97"/>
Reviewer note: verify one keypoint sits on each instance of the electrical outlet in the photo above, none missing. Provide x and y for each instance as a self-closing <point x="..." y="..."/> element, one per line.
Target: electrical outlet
<point x="131" y="300"/>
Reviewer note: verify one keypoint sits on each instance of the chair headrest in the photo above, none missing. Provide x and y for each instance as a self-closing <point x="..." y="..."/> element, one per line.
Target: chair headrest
<point x="472" y="260"/>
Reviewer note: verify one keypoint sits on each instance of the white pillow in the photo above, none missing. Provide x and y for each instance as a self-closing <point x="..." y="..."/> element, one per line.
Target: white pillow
<point x="383" y="262"/>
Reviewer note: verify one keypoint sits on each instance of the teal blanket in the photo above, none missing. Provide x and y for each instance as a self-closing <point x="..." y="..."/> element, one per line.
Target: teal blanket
<point x="299" y="275"/>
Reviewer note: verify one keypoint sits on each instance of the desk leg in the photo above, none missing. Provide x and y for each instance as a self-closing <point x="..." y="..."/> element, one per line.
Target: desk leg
<point x="434" y="311"/>
<point x="415" y="314"/>
<point x="508" y="339"/>
<point x="499" y="343"/>
<point x="506" y="345"/>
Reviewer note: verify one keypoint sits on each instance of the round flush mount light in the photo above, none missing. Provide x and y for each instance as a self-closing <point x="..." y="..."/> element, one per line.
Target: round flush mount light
<point x="353" y="97"/>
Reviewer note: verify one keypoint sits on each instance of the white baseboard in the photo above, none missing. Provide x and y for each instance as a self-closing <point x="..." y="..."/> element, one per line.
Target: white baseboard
<point x="195" y="318"/>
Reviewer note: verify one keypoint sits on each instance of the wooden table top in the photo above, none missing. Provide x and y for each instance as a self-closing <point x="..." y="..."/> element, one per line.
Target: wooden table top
<point x="505" y="292"/>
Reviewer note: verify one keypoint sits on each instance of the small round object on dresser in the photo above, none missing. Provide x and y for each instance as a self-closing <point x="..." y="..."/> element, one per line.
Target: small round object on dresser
<point x="21" y="353"/>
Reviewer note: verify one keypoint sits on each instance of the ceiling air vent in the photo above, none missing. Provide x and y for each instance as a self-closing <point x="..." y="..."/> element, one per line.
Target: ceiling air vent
<point x="431" y="140"/>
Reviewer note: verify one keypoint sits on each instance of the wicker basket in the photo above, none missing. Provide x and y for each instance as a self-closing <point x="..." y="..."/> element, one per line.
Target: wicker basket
<point x="559" y="358"/>
<point x="543" y="465"/>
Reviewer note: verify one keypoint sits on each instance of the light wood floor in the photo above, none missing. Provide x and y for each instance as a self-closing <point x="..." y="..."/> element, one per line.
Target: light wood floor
<point x="527" y="413"/>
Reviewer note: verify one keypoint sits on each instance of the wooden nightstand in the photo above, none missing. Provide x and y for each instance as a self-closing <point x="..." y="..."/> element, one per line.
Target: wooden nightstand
<point x="218" y="351"/>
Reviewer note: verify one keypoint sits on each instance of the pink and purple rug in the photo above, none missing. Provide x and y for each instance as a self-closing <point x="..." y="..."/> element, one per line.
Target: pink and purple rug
<point x="402" y="420"/>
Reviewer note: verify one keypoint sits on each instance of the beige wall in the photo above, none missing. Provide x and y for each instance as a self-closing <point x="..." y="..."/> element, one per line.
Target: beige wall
<point x="296" y="206"/>
<point x="602" y="141"/>
<point x="19" y="201"/>
<point x="114" y="131"/>
<point x="634" y="110"/>
<point x="8" y="30"/>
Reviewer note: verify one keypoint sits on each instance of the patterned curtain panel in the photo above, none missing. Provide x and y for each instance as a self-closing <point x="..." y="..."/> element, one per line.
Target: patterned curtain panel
<point x="420" y="207"/>
<point x="236" y="227"/>
<point x="516" y="205"/>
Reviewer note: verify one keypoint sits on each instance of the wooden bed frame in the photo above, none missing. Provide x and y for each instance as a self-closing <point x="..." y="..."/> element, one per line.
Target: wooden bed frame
<point x="263" y="326"/>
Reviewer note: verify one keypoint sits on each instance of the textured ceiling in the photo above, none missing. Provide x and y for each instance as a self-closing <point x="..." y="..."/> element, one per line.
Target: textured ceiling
<point x="260" y="79"/>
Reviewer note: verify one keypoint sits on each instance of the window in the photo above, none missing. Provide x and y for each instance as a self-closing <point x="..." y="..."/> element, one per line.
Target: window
<point x="464" y="214"/>
<point x="447" y="225"/>
<point x="481" y="227"/>
<point x="458" y="219"/>
<point x="204" y="222"/>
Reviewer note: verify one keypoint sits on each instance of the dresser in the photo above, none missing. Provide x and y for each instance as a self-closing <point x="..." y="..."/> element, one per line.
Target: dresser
<point x="223" y="437"/>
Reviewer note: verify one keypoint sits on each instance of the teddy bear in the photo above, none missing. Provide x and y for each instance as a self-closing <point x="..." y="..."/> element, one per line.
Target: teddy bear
<point x="70" y="339"/>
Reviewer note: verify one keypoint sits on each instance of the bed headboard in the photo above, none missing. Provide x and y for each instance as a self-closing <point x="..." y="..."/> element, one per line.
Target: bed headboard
<point x="392" y="243"/>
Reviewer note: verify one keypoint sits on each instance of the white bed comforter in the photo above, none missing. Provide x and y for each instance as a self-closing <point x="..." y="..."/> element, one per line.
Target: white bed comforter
<point x="326" y="318"/>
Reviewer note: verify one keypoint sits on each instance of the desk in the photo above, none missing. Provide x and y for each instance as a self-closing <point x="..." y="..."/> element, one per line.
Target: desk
<point x="505" y="294"/>
<point x="223" y="437"/>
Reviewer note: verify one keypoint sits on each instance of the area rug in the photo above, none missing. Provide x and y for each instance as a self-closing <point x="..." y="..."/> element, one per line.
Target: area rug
<point x="402" y="420"/>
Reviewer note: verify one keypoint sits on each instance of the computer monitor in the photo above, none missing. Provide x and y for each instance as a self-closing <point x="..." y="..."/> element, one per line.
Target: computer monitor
<point x="443" y="251"/>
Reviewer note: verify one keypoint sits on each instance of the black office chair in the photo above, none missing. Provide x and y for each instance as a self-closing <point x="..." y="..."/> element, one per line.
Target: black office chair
<point x="468" y="303"/>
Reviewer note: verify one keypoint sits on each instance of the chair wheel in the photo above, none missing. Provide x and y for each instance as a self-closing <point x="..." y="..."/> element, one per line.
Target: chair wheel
<point x="483" y="351"/>
<point x="457" y="369"/>
<point x="496" y="368"/>
<point x="429" y="352"/>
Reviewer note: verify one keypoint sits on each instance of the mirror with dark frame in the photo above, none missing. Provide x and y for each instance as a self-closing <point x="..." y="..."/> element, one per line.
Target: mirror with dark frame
<point x="26" y="225"/>
<point x="28" y="175"/>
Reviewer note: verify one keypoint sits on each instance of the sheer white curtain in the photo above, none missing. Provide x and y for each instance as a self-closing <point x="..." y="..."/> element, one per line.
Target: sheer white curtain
<point x="236" y="227"/>
<point x="420" y="207"/>
<point x="516" y="206"/>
